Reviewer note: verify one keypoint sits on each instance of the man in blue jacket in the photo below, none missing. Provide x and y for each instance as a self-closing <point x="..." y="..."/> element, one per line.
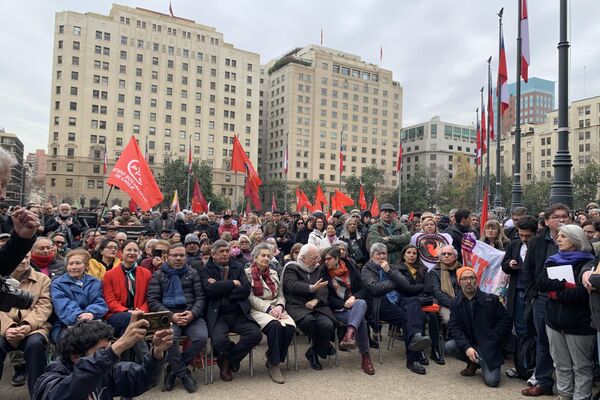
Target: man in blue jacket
<point x="89" y="367"/>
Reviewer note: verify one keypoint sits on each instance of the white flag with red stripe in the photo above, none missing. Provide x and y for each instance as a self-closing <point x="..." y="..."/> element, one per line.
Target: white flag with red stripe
<point x="525" y="60"/>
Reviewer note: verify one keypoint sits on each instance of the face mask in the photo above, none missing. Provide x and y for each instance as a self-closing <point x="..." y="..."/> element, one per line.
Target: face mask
<point x="165" y="214"/>
<point x="234" y="252"/>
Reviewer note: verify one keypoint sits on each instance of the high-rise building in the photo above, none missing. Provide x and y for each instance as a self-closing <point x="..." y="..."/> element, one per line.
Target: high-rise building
<point x="539" y="143"/>
<point x="316" y="101"/>
<point x="537" y="100"/>
<point x="168" y="81"/>
<point x="38" y="164"/>
<point x="435" y="145"/>
<point x="15" y="189"/>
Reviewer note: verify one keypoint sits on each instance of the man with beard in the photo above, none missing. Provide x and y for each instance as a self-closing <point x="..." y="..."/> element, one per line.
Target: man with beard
<point x="65" y="224"/>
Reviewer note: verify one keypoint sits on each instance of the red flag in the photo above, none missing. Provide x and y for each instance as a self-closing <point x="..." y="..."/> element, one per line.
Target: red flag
<point x="248" y="211"/>
<point x="132" y="175"/>
<point x="302" y="200"/>
<point x="483" y="130"/>
<point x="273" y="203"/>
<point x="240" y="161"/>
<point x="342" y="199"/>
<point x="399" y="161"/>
<point x="199" y="204"/>
<point x="341" y="159"/>
<point x="334" y="205"/>
<point x="478" y="154"/>
<point x="484" y="211"/>
<point x="251" y="190"/>
<point x="525" y="61"/>
<point x="375" y="207"/>
<point x="502" y="77"/>
<point x="319" y="196"/>
<point x="132" y="206"/>
<point x="490" y="105"/>
<point x="190" y="160"/>
<point x="362" y="202"/>
<point x="411" y="216"/>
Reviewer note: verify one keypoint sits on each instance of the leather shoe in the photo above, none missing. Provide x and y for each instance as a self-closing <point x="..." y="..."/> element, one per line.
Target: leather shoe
<point x="313" y="360"/>
<point x="189" y="383"/>
<point x="416" y="367"/>
<point x="373" y="343"/>
<point x="367" y="364"/>
<point x="419" y="342"/>
<point x="348" y="341"/>
<point x="20" y="376"/>
<point x="169" y="382"/>
<point x="437" y="357"/>
<point x="424" y="359"/>
<point x="470" y="369"/>
<point x="224" y="369"/>
<point x="537" y="390"/>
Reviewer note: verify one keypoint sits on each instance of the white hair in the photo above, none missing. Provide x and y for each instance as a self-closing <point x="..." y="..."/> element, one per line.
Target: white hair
<point x="6" y="160"/>
<point x="305" y="249"/>
<point x="576" y="235"/>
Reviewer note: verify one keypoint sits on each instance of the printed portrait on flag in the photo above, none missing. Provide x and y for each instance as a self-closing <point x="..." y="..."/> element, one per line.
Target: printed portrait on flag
<point x="429" y="246"/>
<point x="486" y="261"/>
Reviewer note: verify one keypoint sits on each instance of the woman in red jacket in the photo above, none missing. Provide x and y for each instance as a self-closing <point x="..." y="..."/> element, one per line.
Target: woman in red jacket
<point x="125" y="290"/>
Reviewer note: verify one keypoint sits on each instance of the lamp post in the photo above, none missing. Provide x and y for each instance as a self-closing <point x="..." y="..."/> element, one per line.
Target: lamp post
<point x="498" y="193"/>
<point x="517" y="189"/>
<point x="562" y="189"/>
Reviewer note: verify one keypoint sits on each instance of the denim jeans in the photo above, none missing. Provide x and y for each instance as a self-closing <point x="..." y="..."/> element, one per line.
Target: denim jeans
<point x="544" y="365"/>
<point x="490" y="377"/>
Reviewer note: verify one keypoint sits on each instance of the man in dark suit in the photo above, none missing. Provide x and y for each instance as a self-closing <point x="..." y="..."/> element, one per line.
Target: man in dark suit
<point x="227" y="290"/>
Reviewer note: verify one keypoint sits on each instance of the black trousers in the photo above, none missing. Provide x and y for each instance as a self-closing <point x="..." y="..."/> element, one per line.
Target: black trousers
<point x="279" y="338"/>
<point x="407" y="314"/>
<point x="34" y="352"/>
<point x="249" y="332"/>
<point x="319" y="328"/>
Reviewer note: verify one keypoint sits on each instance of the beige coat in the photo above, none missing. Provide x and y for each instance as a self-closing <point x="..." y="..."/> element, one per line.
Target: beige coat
<point x="37" y="316"/>
<point x="260" y="305"/>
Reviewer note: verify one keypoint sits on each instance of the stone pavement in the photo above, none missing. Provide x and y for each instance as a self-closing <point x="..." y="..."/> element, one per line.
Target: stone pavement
<point x="391" y="381"/>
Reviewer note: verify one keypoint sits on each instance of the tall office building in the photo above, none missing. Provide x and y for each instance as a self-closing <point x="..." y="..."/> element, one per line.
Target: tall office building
<point x="38" y="164"/>
<point x="316" y="101"/>
<point x="435" y="146"/>
<point x="16" y="187"/>
<point x="168" y="81"/>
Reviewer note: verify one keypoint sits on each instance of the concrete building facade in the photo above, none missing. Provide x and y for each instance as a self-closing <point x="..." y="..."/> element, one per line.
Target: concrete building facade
<point x="15" y="191"/>
<point x="167" y="81"/>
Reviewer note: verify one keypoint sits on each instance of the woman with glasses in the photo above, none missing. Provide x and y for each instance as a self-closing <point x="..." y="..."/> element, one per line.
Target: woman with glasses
<point x="493" y="234"/>
<point x="104" y="259"/>
<point x="443" y="282"/>
<point x="158" y="256"/>
<point x="304" y="228"/>
<point x="293" y="256"/>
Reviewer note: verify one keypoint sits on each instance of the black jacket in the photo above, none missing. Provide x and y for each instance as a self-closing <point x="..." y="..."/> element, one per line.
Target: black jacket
<point x="490" y="324"/>
<point x="513" y="252"/>
<point x="296" y="283"/>
<point x="216" y="291"/>
<point x="192" y="290"/>
<point x="357" y="288"/>
<point x="210" y="230"/>
<point x="435" y="280"/>
<point x="13" y="252"/>
<point x="457" y="231"/>
<point x="100" y="376"/>
<point x="570" y="312"/>
<point x="420" y="286"/>
<point x="594" y="295"/>
<point x="302" y="235"/>
<point x="539" y="249"/>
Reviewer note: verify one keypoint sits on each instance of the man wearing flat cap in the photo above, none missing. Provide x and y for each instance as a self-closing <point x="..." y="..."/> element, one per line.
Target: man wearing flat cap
<point x="478" y="324"/>
<point x="389" y="231"/>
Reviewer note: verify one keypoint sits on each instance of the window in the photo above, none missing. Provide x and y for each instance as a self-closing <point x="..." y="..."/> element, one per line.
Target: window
<point x="77" y="30"/>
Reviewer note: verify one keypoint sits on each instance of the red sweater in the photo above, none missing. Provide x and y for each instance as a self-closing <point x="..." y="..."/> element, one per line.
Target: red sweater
<point x="114" y="287"/>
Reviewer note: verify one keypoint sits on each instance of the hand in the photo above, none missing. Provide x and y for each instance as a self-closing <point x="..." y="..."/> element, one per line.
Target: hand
<point x="276" y="312"/>
<point x="178" y="319"/>
<point x="25" y="329"/>
<point x="472" y="355"/>
<point x="157" y="261"/>
<point x="350" y="302"/>
<point x="211" y="281"/>
<point x="236" y="282"/>
<point x="161" y="340"/>
<point x="188" y="316"/>
<point x="26" y="223"/>
<point x="385" y="266"/>
<point x="136" y="331"/>
<point x="318" y="285"/>
<point x="513" y="264"/>
<point x="585" y="279"/>
<point x="14" y="336"/>
<point x="311" y="304"/>
<point x="85" y="316"/>
<point x="115" y="222"/>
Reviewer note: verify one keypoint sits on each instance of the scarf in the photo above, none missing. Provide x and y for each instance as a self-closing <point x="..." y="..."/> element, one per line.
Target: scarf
<point x="445" y="278"/>
<point x="130" y="284"/>
<point x="257" y="287"/>
<point x="568" y="258"/>
<point x="173" y="297"/>
<point x="412" y="270"/>
<point x="340" y="280"/>
<point x="392" y="296"/>
<point x="42" y="262"/>
<point x="306" y="268"/>
<point x="332" y="239"/>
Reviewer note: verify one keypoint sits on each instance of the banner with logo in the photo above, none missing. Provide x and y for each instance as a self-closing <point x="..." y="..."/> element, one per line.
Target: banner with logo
<point x="132" y="175"/>
<point x="487" y="263"/>
<point x="429" y="245"/>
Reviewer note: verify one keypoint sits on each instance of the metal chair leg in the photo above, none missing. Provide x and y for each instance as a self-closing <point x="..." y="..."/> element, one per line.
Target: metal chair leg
<point x="295" y="354"/>
<point x="212" y="357"/>
<point x="251" y="362"/>
<point x="337" y="348"/>
<point x="379" y="347"/>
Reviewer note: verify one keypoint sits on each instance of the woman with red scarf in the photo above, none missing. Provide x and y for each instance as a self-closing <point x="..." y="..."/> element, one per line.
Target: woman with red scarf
<point x="268" y="309"/>
<point x="347" y="299"/>
<point x="43" y="258"/>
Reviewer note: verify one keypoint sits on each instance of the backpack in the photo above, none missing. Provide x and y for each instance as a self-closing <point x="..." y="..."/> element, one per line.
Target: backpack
<point x="525" y="356"/>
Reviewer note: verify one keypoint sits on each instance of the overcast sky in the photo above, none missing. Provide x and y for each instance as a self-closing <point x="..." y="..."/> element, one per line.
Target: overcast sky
<point x="437" y="49"/>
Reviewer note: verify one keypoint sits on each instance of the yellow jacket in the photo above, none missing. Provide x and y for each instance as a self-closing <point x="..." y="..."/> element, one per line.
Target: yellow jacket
<point x="97" y="269"/>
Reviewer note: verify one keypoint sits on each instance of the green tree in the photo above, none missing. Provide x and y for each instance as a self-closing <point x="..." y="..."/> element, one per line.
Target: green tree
<point x="506" y="183"/>
<point x="371" y="177"/>
<point x="309" y="186"/>
<point x="174" y="177"/>
<point x="585" y="184"/>
<point x="353" y="187"/>
<point x="278" y="187"/>
<point x="536" y="195"/>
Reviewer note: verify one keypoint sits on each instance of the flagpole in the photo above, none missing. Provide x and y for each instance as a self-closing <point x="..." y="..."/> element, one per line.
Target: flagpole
<point x="517" y="189"/>
<point x="235" y="190"/>
<point x="189" y="174"/>
<point x="487" y="166"/>
<point x="498" y="194"/>
<point x="478" y="156"/>
<point x="286" y="167"/>
<point x="400" y="191"/>
<point x="104" y="206"/>
<point x="341" y="158"/>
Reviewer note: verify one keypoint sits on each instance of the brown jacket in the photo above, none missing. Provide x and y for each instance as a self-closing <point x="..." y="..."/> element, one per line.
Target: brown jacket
<point x="37" y="316"/>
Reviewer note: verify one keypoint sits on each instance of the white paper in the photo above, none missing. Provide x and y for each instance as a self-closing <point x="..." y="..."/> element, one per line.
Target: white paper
<point x="561" y="272"/>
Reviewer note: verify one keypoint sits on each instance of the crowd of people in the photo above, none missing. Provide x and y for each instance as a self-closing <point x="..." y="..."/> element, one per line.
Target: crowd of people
<point x="279" y="274"/>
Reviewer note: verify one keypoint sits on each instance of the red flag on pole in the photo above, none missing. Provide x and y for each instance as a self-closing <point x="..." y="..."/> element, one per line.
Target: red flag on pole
<point x="374" y="207"/>
<point x="240" y="161"/>
<point x="478" y="142"/>
<point x="411" y="216"/>
<point x="199" y="204"/>
<point x="399" y="160"/>
<point x="190" y="159"/>
<point x="490" y="105"/>
<point x="248" y="211"/>
<point x="251" y="190"/>
<point x="133" y="176"/>
<point x="132" y="206"/>
<point x="341" y="159"/>
<point x="362" y="201"/>
<point x="525" y="61"/>
<point x="483" y="130"/>
<point x="502" y="77"/>
<point x="342" y="199"/>
<point x="302" y="200"/>
<point x="484" y="211"/>
<point x="319" y="196"/>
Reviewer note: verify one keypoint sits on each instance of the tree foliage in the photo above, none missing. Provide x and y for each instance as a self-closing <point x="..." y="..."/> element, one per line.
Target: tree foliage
<point x="370" y="178"/>
<point x="585" y="184"/>
<point x="278" y="187"/>
<point x="536" y="195"/>
<point x="309" y="186"/>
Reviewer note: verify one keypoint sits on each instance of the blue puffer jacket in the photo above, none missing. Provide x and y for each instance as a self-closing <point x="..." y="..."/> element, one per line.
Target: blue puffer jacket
<point x="70" y="300"/>
<point x="100" y="376"/>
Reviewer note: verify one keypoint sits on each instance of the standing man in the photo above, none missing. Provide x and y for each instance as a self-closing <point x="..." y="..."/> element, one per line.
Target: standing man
<point x="478" y="323"/>
<point x="389" y="231"/>
<point x="459" y="228"/>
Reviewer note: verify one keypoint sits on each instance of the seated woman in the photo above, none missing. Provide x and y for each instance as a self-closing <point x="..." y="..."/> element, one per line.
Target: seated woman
<point x="429" y="241"/>
<point x="27" y="330"/>
<point x="284" y="239"/>
<point x="124" y="290"/>
<point x="293" y="256"/>
<point x="329" y="237"/>
<point x="347" y="300"/>
<point x="105" y="259"/>
<point x="76" y="296"/>
<point x="158" y="257"/>
<point x="245" y="250"/>
<point x="268" y="309"/>
<point x="416" y="274"/>
<point x="355" y="241"/>
<point x="318" y="233"/>
<point x="443" y="281"/>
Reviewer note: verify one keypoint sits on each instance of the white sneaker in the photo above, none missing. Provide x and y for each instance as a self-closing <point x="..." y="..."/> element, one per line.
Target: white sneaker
<point x="532" y="381"/>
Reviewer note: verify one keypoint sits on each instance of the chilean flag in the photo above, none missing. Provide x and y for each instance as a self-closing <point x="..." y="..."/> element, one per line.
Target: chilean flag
<point x="341" y="159"/>
<point x="478" y="143"/>
<point x="502" y="81"/>
<point x="285" y="161"/>
<point x="490" y="105"/>
<point x="399" y="161"/>
<point x="525" y="60"/>
<point x="483" y="130"/>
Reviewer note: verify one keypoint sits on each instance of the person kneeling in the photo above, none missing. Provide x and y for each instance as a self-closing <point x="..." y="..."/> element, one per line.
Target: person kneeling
<point x="478" y="323"/>
<point x="89" y="367"/>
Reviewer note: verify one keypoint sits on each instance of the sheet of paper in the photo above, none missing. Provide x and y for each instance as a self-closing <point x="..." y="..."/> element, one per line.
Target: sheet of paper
<point x="561" y="272"/>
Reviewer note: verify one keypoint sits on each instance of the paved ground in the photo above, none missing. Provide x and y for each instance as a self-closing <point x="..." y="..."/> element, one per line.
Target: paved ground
<point x="391" y="381"/>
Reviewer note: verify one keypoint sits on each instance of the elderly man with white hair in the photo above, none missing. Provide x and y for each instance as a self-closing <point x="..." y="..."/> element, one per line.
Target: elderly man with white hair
<point x="64" y="223"/>
<point x="306" y="296"/>
<point x="443" y="280"/>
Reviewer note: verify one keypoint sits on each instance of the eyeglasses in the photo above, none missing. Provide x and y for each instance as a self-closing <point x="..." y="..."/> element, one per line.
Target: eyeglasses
<point x="58" y="242"/>
<point x="446" y="254"/>
<point x="111" y="247"/>
<point x="559" y="217"/>
<point x="300" y="223"/>
<point x="468" y="278"/>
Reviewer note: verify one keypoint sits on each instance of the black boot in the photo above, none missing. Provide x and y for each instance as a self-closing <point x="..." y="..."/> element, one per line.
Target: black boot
<point x="437" y="357"/>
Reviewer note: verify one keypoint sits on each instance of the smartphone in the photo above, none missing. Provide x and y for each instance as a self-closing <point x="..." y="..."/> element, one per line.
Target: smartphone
<point x="158" y="320"/>
<point x="157" y="253"/>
